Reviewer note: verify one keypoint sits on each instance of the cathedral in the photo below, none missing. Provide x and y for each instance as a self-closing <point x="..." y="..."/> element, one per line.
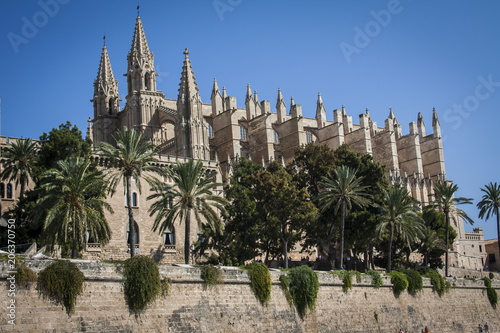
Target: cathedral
<point x="219" y="132"/>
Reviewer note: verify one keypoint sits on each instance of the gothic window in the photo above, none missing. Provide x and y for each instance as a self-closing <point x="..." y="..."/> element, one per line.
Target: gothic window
<point x="136" y="233"/>
<point x="210" y="131"/>
<point x="169" y="237"/>
<point x="147" y="81"/>
<point x="9" y="191"/>
<point x="276" y="137"/>
<point x="134" y="199"/>
<point x="110" y="109"/>
<point x="243" y="133"/>
<point x="2" y="190"/>
<point x="309" y="137"/>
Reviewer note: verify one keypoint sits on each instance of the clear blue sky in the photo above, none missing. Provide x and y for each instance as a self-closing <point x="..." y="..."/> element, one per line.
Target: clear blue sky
<point x="409" y="55"/>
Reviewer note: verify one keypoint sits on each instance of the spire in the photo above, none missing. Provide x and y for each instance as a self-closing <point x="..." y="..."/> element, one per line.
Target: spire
<point x="256" y="98"/>
<point x="188" y="87"/>
<point x="435" y="120"/>
<point x="215" y="89"/>
<point x="249" y="92"/>
<point x="224" y="94"/>
<point x="391" y="114"/>
<point x="421" y="125"/>
<point x="140" y="46"/>
<point x="320" y="112"/>
<point x="105" y="79"/>
<point x="280" y="107"/>
<point x="216" y="99"/>
<point x="280" y="98"/>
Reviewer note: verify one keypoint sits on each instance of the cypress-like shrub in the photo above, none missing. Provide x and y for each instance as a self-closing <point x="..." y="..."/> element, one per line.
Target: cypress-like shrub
<point x="61" y="282"/>
<point x="304" y="286"/>
<point x="415" y="282"/>
<point x="25" y="276"/>
<point x="261" y="280"/>
<point x="376" y="278"/>
<point x="141" y="282"/>
<point x="211" y="275"/>
<point x="399" y="282"/>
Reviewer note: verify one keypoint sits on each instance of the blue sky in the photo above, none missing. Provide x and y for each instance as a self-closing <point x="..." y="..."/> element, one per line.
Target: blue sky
<point x="408" y="55"/>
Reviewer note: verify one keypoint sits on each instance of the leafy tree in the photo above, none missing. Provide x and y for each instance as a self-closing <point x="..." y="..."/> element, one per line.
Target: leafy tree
<point x="72" y="204"/>
<point x="191" y="194"/>
<point x="445" y="200"/>
<point x="430" y="241"/>
<point x="433" y="242"/>
<point x="283" y="206"/>
<point x="398" y="214"/>
<point x="59" y="144"/>
<point x="490" y="204"/>
<point x="342" y="191"/>
<point x="19" y="160"/>
<point x="132" y="158"/>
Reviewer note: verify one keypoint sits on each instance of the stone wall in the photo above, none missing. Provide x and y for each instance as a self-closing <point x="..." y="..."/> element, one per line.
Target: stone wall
<point x="232" y="307"/>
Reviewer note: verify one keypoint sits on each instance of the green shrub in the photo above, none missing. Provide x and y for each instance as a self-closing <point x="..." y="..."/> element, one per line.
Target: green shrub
<point x="357" y="274"/>
<point x="399" y="282"/>
<point x="141" y="282"/>
<point x="211" y="275"/>
<point x="376" y="278"/>
<point x="166" y="286"/>
<point x="285" y="285"/>
<point x="437" y="281"/>
<point x="25" y="277"/>
<point x="487" y="282"/>
<point x="347" y="281"/>
<point x="61" y="282"/>
<point x="493" y="297"/>
<point x="261" y="280"/>
<point x="415" y="282"/>
<point x="492" y="276"/>
<point x="304" y="286"/>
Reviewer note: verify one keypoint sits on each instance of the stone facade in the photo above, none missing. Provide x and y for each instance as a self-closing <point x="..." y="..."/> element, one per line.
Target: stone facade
<point x="220" y="132"/>
<point x="492" y="259"/>
<point x="233" y="307"/>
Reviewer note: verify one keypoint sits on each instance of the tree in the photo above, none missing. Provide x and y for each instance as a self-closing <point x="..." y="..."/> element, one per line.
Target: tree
<point x="191" y="194"/>
<point x="342" y="191"/>
<point x="435" y="221"/>
<point x="130" y="160"/>
<point x="72" y="204"/>
<point x="18" y="164"/>
<point x="445" y="200"/>
<point x="490" y="203"/>
<point x="398" y="214"/>
<point x="430" y="241"/>
<point x="283" y="206"/>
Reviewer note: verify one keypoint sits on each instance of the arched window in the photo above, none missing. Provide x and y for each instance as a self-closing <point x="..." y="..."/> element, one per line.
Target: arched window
<point x="243" y="133"/>
<point x="134" y="199"/>
<point x="9" y="191"/>
<point x="147" y="81"/>
<point x="210" y="131"/>
<point x="309" y="137"/>
<point x="110" y="106"/>
<point x="276" y="137"/>
<point x="136" y="233"/>
<point x="2" y="190"/>
<point x="169" y="236"/>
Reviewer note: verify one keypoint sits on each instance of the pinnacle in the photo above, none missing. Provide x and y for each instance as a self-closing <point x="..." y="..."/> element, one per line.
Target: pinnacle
<point x="320" y="100"/>
<point x="139" y="43"/>
<point x="105" y="75"/>
<point x="215" y="89"/>
<point x="188" y="86"/>
<point x="280" y="98"/>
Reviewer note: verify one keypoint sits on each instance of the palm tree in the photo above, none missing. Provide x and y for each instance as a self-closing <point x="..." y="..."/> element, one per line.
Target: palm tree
<point x="490" y="203"/>
<point x="72" y="204"/>
<point x="130" y="160"/>
<point x="190" y="194"/>
<point x="398" y="214"/>
<point x="444" y="200"/>
<point x="343" y="190"/>
<point x="18" y="164"/>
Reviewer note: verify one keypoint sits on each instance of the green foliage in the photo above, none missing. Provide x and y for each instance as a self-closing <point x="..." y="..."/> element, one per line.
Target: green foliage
<point x="261" y="280"/>
<point x="304" y="286"/>
<point x="376" y="278"/>
<point x="141" y="282"/>
<point x="491" y="275"/>
<point x="433" y="242"/>
<point x="61" y="282"/>
<point x="357" y="274"/>
<point x="347" y="281"/>
<point x="211" y="275"/>
<point x="487" y="282"/>
<point x="25" y="276"/>
<point x="437" y="281"/>
<point x="492" y="297"/>
<point x="415" y="282"/>
<point x="285" y="285"/>
<point x="166" y="286"/>
<point x="399" y="282"/>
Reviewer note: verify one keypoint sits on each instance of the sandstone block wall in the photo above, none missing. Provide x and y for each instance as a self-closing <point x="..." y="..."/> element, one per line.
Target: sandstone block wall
<point x="232" y="307"/>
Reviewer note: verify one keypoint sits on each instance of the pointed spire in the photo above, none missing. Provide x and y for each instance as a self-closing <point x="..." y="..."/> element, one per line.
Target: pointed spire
<point x="320" y="100"/>
<point x="224" y="94"/>
<point x="292" y="102"/>
<point x="105" y="78"/>
<point x="368" y="113"/>
<point x="343" y="111"/>
<point x="280" y="98"/>
<point x="391" y="114"/>
<point x="89" y="129"/>
<point x="249" y="92"/>
<point x="435" y="120"/>
<point x="188" y="86"/>
<point x="140" y="46"/>
<point x="215" y="89"/>
<point x="256" y="98"/>
<point x="280" y="107"/>
<point x="320" y="112"/>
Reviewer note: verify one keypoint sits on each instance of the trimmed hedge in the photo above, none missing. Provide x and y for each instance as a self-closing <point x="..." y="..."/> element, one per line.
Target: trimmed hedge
<point x="141" y="282"/>
<point x="261" y="280"/>
<point x="61" y="282"/>
<point x="399" y="282"/>
<point x="304" y="286"/>
<point x="211" y="275"/>
<point x="415" y="282"/>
